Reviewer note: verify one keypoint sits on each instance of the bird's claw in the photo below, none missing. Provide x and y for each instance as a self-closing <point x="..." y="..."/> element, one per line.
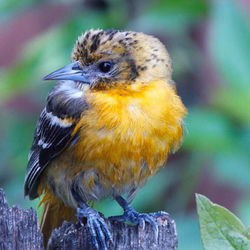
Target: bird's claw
<point x="98" y="228"/>
<point x="130" y="215"/>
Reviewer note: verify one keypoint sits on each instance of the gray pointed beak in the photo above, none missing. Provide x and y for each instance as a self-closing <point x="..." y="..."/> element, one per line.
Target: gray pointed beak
<point x="70" y="72"/>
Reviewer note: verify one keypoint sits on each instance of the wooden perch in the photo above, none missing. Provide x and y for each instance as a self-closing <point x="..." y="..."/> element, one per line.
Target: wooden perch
<point x="19" y="230"/>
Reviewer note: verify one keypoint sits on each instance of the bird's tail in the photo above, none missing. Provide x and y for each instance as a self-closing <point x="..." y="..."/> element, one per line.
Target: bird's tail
<point x="53" y="214"/>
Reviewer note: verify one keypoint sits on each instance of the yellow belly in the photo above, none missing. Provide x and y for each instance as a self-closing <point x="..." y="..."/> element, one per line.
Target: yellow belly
<point x="125" y="137"/>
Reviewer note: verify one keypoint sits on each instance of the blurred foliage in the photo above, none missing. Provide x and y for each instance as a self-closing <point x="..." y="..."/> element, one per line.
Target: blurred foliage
<point x="217" y="137"/>
<point x="221" y="229"/>
<point x="230" y="39"/>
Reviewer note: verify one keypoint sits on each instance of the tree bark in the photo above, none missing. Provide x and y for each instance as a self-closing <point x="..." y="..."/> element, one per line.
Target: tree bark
<point x="19" y="230"/>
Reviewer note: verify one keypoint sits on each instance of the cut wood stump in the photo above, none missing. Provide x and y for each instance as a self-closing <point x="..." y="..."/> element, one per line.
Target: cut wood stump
<point x="19" y="230"/>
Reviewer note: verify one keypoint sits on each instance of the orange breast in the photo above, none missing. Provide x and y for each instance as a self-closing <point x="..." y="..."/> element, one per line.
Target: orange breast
<point x="126" y="134"/>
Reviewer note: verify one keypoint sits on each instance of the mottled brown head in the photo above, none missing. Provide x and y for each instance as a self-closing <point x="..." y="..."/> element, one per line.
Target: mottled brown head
<point x="114" y="57"/>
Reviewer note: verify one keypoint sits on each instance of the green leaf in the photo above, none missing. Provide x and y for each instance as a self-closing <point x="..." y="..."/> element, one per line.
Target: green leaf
<point x="220" y="229"/>
<point x="248" y="233"/>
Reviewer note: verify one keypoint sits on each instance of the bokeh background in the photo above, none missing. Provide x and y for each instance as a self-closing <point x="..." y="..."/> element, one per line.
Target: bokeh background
<point x="209" y="42"/>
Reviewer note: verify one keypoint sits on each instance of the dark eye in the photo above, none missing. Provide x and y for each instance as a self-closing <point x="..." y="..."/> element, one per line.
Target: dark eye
<point x="105" y="67"/>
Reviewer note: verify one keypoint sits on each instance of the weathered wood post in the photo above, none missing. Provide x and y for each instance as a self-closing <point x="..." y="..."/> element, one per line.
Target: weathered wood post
<point x="19" y="230"/>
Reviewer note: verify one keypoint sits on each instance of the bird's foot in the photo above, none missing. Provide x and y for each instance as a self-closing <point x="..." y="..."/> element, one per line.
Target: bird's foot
<point x="130" y="215"/>
<point x="159" y="214"/>
<point x="97" y="226"/>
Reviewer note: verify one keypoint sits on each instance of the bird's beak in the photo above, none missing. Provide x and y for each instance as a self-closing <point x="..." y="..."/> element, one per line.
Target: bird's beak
<point x="69" y="72"/>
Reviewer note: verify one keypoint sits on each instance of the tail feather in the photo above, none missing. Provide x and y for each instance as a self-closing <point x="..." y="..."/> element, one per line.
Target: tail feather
<point x="53" y="214"/>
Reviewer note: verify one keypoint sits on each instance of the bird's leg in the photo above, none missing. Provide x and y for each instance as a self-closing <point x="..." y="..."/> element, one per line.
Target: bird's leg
<point x="96" y="224"/>
<point x="98" y="228"/>
<point x="131" y="215"/>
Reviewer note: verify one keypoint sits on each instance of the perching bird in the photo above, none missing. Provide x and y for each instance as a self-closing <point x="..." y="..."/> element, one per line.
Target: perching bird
<point x="108" y="126"/>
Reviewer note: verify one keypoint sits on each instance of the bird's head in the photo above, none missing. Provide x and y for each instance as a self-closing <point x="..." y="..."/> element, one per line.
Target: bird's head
<point x="109" y="58"/>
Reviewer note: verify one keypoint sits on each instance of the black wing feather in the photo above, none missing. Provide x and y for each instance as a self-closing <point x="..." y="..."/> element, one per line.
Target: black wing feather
<point x="52" y="136"/>
<point x="49" y="140"/>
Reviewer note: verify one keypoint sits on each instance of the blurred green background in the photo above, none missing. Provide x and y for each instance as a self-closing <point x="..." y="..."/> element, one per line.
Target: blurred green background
<point x="209" y="42"/>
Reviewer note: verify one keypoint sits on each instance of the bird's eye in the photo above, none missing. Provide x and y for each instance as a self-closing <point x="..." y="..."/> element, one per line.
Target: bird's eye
<point x="105" y="67"/>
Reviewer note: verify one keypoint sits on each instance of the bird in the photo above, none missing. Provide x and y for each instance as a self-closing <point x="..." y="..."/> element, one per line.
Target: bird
<point x="108" y="125"/>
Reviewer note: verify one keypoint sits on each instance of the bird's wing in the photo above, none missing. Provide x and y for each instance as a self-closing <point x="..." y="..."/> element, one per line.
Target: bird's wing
<point x="55" y="131"/>
<point x="51" y="137"/>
